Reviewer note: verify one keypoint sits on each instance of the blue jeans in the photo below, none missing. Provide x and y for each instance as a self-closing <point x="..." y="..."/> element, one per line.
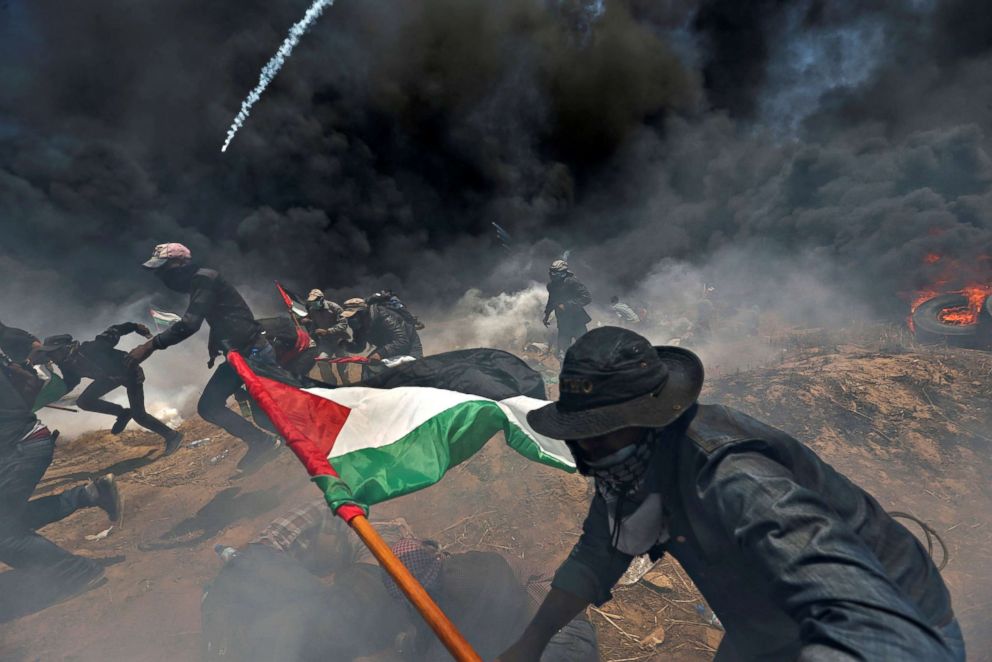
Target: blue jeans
<point x="954" y="639"/>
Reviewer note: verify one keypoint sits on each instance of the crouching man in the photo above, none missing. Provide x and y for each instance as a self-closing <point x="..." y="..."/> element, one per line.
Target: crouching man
<point x="43" y="573"/>
<point x="798" y="562"/>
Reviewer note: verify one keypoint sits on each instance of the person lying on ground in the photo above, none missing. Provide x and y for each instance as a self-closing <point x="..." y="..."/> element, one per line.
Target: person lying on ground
<point x="232" y="327"/>
<point x="795" y="560"/>
<point x="488" y="598"/>
<point x="43" y="573"/>
<point x="267" y="603"/>
<point x="110" y="369"/>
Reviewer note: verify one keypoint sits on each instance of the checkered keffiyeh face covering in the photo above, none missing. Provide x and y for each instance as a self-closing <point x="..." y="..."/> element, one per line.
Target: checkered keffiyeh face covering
<point x="422" y="558"/>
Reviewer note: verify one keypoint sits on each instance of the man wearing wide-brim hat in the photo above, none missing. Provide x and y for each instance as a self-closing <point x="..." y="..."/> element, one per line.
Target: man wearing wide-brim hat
<point x="795" y="560"/>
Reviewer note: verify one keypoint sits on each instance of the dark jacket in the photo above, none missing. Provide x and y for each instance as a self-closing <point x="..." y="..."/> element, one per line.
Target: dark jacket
<point x="574" y="295"/>
<point x="16" y="343"/>
<point x="388" y="332"/>
<point x="214" y="300"/>
<point x="484" y="599"/>
<point x="795" y="559"/>
<point x="327" y="315"/>
<point x="97" y="358"/>
<point x="16" y="417"/>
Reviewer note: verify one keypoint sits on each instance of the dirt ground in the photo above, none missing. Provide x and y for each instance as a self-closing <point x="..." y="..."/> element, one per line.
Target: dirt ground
<point x="908" y="423"/>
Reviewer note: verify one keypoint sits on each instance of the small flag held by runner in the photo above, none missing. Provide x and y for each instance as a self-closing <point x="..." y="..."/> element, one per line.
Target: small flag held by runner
<point x="163" y="320"/>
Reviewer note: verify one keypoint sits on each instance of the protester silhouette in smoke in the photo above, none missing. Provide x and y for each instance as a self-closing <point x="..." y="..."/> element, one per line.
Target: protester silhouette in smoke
<point x="232" y="327"/>
<point x="567" y="299"/>
<point x="43" y="573"/>
<point x="109" y="368"/>
<point x="626" y="315"/>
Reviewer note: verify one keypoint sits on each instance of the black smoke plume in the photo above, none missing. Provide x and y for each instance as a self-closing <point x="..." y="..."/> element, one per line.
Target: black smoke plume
<point x="850" y="135"/>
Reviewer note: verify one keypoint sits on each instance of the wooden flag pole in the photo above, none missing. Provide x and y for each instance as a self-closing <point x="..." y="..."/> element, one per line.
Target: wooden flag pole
<point x="445" y="630"/>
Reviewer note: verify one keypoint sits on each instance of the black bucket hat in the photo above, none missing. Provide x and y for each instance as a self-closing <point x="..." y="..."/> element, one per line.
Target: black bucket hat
<point x="54" y="343"/>
<point x="613" y="378"/>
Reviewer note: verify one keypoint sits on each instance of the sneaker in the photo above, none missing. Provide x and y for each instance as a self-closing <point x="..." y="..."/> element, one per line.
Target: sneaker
<point x="104" y="495"/>
<point x="172" y="443"/>
<point x="259" y="454"/>
<point x="121" y="422"/>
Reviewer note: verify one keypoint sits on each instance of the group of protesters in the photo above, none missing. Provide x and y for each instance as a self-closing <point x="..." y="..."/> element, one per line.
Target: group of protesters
<point x="380" y="323"/>
<point x="796" y="561"/>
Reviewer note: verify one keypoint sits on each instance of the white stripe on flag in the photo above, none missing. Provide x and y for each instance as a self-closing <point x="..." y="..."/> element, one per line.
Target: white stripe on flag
<point x="380" y="417"/>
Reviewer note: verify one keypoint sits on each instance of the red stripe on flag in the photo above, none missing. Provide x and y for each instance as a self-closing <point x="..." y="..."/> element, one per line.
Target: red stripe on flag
<point x="288" y="408"/>
<point x="285" y="297"/>
<point x="321" y="418"/>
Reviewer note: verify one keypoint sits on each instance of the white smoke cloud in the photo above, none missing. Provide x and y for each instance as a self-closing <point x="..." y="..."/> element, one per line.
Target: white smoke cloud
<point x="508" y="320"/>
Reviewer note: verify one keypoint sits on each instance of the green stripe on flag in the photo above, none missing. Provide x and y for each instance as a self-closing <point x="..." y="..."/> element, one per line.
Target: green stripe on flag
<point x="422" y="457"/>
<point x="52" y="391"/>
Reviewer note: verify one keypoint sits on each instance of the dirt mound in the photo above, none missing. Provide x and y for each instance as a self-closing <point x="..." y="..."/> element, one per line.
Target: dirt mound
<point x="910" y="426"/>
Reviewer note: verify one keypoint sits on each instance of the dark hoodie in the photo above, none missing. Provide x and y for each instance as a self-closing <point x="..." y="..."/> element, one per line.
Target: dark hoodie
<point x="214" y="300"/>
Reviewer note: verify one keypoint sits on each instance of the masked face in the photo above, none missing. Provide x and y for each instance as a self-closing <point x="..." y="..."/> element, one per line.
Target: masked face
<point x="623" y="470"/>
<point x="177" y="279"/>
<point x="557" y="275"/>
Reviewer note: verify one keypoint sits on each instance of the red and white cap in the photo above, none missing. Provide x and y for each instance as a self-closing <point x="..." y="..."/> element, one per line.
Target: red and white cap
<point x="163" y="253"/>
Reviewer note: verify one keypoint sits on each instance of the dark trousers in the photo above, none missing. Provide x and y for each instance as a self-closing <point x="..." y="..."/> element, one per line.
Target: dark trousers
<point x="568" y="334"/>
<point x="22" y="466"/>
<point x="91" y="400"/>
<point x="212" y="406"/>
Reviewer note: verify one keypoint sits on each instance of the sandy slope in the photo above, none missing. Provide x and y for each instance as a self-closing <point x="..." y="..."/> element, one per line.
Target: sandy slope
<point x="909" y="425"/>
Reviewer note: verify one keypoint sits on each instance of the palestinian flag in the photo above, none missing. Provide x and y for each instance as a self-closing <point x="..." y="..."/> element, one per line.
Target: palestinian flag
<point x="52" y="390"/>
<point x="384" y="443"/>
<point x="294" y="303"/>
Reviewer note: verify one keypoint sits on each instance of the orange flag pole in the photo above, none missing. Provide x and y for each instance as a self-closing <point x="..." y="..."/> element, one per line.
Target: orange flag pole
<point x="445" y="630"/>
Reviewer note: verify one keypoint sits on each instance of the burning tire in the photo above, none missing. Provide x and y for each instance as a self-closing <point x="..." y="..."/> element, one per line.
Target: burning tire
<point x="938" y="319"/>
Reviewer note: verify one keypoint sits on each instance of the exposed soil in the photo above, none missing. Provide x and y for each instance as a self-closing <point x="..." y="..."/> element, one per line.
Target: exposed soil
<point x="909" y="423"/>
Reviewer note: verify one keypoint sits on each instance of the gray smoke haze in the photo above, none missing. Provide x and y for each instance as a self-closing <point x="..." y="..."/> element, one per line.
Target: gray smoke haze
<point x="845" y="139"/>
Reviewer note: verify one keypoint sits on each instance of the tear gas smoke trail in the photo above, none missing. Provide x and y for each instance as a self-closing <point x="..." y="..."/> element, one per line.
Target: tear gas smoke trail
<point x="274" y="65"/>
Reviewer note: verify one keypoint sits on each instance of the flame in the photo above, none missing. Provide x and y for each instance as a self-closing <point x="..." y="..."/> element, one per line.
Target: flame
<point x="975" y="292"/>
<point x="968" y="313"/>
